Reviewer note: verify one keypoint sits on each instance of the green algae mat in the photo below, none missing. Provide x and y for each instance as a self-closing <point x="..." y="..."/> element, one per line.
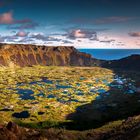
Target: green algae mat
<point x="50" y="94"/>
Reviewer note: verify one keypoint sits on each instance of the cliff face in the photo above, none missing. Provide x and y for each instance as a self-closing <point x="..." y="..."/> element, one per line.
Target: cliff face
<point x="27" y="55"/>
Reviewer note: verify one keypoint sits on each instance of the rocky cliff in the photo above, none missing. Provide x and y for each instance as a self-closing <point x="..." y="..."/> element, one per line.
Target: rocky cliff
<point x="27" y="55"/>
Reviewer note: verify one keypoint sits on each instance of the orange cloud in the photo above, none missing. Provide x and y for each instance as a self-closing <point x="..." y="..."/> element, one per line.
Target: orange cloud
<point x="6" y="18"/>
<point x="22" y="34"/>
<point x="79" y="34"/>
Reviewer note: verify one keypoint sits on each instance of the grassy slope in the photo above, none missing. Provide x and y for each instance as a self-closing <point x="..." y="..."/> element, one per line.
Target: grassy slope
<point x="124" y="128"/>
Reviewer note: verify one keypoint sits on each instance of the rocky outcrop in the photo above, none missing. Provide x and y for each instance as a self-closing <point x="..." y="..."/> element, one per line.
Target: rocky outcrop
<point x="127" y="130"/>
<point x="28" y="55"/>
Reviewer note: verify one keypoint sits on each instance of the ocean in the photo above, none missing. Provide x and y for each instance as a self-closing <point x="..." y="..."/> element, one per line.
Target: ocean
<point x="110" y="54"/>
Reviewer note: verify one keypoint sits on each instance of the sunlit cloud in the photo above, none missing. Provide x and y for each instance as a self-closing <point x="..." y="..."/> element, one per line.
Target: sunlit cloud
<point x="6" y="18"/>
<point x="22" y="34"/>
<point x="81" y="33"/>
<point x="12" y="23"/>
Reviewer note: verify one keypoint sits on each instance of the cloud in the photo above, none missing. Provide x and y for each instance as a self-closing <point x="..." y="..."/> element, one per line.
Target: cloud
<point x="104" y="20"/>
<point x="114" y="19"/>
<point x="134" y="34"/>
<point x="27" y="37"/>
<point x="81" y="33"/>
<point x="39" y="36"/>
<point x="1" y="39"/>
<point x="78" y="34"/>
<point x="25" y="40"/>
<point x="43" y="37"/>
<point x="107" y="41"/>
<point x="8" y="38"/>
<point x="104" y="41"/>
<point x="22" y="34"/>
<point x="24" y="25"/>
<point x="67" y="42"/>
<point x="33" y="38"/>
<point x="6" y="18"/>
<point x="23" y="21"/>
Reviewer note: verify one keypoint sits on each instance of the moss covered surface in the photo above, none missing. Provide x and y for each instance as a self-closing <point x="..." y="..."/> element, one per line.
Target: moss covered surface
<point x="44" y="97"/>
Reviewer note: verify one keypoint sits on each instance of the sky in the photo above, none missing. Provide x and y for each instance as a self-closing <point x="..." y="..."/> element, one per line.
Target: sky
<point x="80" y="23"/>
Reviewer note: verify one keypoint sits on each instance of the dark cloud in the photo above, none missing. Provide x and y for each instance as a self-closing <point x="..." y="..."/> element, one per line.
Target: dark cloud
<point x="67" y="42"/>
<point x="23" y="25"/>
<point x="54" y="39"/>
<point x="120" y="44"/>
<point x="75" y="27"/>
<point x="134" y="34"/>
<point x="105" y="20"/>
<point x="107" y="41"/>
<point x="43" y="37"/>
<point x="114" y="19"/>
<point x="1" y="39"/>
<point x="23" y="21"/>
<point x="39" y="37"/>
<point x="82" y="33"/>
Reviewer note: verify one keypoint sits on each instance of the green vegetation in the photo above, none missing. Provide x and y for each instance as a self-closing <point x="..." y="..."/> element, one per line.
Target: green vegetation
<point x="57" y="91"/>
<point x="44" y="97"/>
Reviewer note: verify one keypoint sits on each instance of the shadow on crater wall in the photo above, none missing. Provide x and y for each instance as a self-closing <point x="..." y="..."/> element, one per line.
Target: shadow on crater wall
<point x="113" y="105"/>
